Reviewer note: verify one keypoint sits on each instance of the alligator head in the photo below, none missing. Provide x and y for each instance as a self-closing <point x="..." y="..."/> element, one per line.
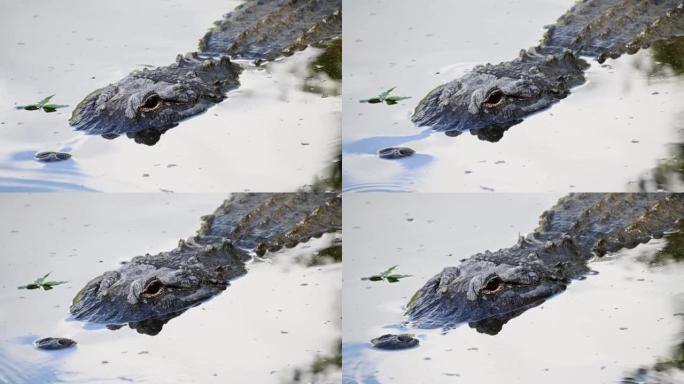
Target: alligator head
<point x="491" y="98"/>
<point x="146" y="103"/>
<point x="491" y="288"/>
<point x="151" y="289"/>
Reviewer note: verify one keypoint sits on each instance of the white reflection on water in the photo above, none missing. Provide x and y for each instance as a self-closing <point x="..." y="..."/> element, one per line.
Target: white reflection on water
<point x="603" y="137"/>
<point x="253" y="140"/>
<point x="277" y="318"/>
<point x="598" y="331"/>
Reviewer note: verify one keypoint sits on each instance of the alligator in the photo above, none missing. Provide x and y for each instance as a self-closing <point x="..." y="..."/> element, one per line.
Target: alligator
<point x="490" y="288"/>
<point x="147" y="103"/>
<point x="392" y="342"/>
<point x="394" y="153"/>
<point x="149" y="290"/>
<point x="54" y="343"/>
<point x="490" y="99"/>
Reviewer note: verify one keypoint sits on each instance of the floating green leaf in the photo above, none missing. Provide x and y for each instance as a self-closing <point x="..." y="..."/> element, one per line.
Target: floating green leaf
<point x="386" y="98"/>
<point x="384" y="95"/>
<point x="43" y="104"/>
<point x="386" y="275"/>
<point x="388" y="271"/>
<point x="395" y="278"/>
<point x="53" y="107"/>
<point x="45" y="101"/>
<point x="41" y="283"/>
<point x="395" y="99"/>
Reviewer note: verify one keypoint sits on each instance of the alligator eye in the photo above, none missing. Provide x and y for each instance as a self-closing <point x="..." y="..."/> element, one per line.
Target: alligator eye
<point x="494" y="98"/>
<point x="492" y="286"/>
<point x="153" y="288"/>
<point x="150" y="103"/>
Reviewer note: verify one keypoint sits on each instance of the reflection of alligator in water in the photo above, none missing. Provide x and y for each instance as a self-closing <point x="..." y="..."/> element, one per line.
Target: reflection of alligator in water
<point x="490" y="99"/>
<point x="324" y="369"/>
<point x="147" y="103"/>
<point x="663" y="372"/>
<point x="490" y="288"/>
<point x="668" y="174"/>
<point x="150" y="290"/>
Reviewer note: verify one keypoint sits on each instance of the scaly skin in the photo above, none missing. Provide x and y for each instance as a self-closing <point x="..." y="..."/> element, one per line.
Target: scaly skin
<point x="488" y="289"/>
<point x="147" y="103"/>
<point x="151" y="289"/>
<point x="490" y="99"/>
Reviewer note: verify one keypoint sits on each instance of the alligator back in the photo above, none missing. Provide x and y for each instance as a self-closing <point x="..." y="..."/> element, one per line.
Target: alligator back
<point x="265" y="30"/>
<point x="599" y="223"/>
<point x="609" y="28"/>
<point x="261" y="222"/>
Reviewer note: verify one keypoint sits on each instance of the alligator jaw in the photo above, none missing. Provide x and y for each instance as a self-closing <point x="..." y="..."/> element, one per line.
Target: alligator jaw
<point x="490" y="99"/>
<point x="149" y="102"/>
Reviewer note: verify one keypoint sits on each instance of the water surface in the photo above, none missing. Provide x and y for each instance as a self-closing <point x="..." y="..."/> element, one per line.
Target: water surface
<point x="277" y="132"/>
<point x="600" y="330"/>
<point x="279" y="319"/>
<point x="606" y="136"/>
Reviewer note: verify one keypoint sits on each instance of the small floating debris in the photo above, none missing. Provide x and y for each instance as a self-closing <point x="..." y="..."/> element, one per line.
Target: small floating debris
<point x="386" y="98"/>
<point x="386" y="275"/>
<point x="54" y="343"/>
<point x="51" y="156"/>
<point x="393" y="153"/>
<point x="41" y="283"/>
<point x="395" y="342"/>
<point x="43" y="104"/>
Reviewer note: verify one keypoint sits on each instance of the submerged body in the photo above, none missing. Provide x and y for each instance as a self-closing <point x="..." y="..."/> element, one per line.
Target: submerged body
<point x="490" y="288"/>
<point x="491" y="98"/>
<point x="147" y="103"/>
<point x="149" y="290"/>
